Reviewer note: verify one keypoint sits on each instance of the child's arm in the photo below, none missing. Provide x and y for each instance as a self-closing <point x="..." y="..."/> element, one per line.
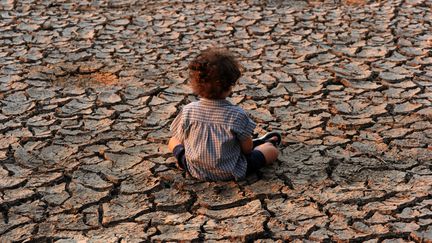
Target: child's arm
<point x="244" y="132"/>
<point x="246" y="145"/>
<point x="177" y="132"/>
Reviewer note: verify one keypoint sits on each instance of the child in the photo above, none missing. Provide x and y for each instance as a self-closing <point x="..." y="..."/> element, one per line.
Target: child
<point x="212" y="138"/>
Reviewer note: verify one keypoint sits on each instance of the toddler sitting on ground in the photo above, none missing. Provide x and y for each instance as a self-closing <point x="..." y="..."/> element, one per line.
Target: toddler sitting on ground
<point x="212" y="138"/>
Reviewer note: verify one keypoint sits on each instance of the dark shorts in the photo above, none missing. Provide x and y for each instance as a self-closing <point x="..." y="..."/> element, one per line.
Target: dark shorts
<point x="179" y="154"/>
<point x="255" y="160"/>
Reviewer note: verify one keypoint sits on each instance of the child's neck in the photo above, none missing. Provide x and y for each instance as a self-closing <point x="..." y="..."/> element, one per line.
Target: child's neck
<point x="223" y="98"/>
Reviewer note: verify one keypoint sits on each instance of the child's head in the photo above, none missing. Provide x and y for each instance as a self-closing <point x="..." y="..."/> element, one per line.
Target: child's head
<point x="213" y="73"/>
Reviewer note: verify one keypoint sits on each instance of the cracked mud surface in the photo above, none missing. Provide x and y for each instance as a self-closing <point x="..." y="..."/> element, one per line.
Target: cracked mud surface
<point x="88" y="90"/>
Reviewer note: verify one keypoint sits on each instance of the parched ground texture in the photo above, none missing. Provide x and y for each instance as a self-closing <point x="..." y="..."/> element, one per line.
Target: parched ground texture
<point x="88" y="90"/>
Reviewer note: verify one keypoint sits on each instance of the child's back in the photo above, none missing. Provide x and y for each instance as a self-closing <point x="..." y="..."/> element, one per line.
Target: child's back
<point x="212" y="138"/>
<point x="211" y="130"/>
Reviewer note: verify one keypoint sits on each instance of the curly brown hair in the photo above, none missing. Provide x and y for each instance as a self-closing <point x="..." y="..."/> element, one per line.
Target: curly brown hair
<point x="213" y="72"/>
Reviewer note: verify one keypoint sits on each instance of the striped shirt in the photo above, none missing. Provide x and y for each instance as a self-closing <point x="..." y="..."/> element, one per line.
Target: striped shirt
<point x="210" y="131"/>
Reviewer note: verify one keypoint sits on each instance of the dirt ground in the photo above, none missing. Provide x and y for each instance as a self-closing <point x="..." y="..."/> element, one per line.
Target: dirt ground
<point x="88" y="90"/>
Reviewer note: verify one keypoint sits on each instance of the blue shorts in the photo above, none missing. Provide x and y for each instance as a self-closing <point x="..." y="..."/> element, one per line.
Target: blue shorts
<point x="255" y="160"/>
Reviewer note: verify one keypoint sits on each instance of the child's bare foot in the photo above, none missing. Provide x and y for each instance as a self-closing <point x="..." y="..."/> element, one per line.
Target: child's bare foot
<point x="274" y="137"/>
<point x="274" y="141"/>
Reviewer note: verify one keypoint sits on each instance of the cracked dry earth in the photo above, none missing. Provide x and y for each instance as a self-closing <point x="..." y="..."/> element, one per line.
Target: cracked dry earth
<point x="88" y="90"/>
